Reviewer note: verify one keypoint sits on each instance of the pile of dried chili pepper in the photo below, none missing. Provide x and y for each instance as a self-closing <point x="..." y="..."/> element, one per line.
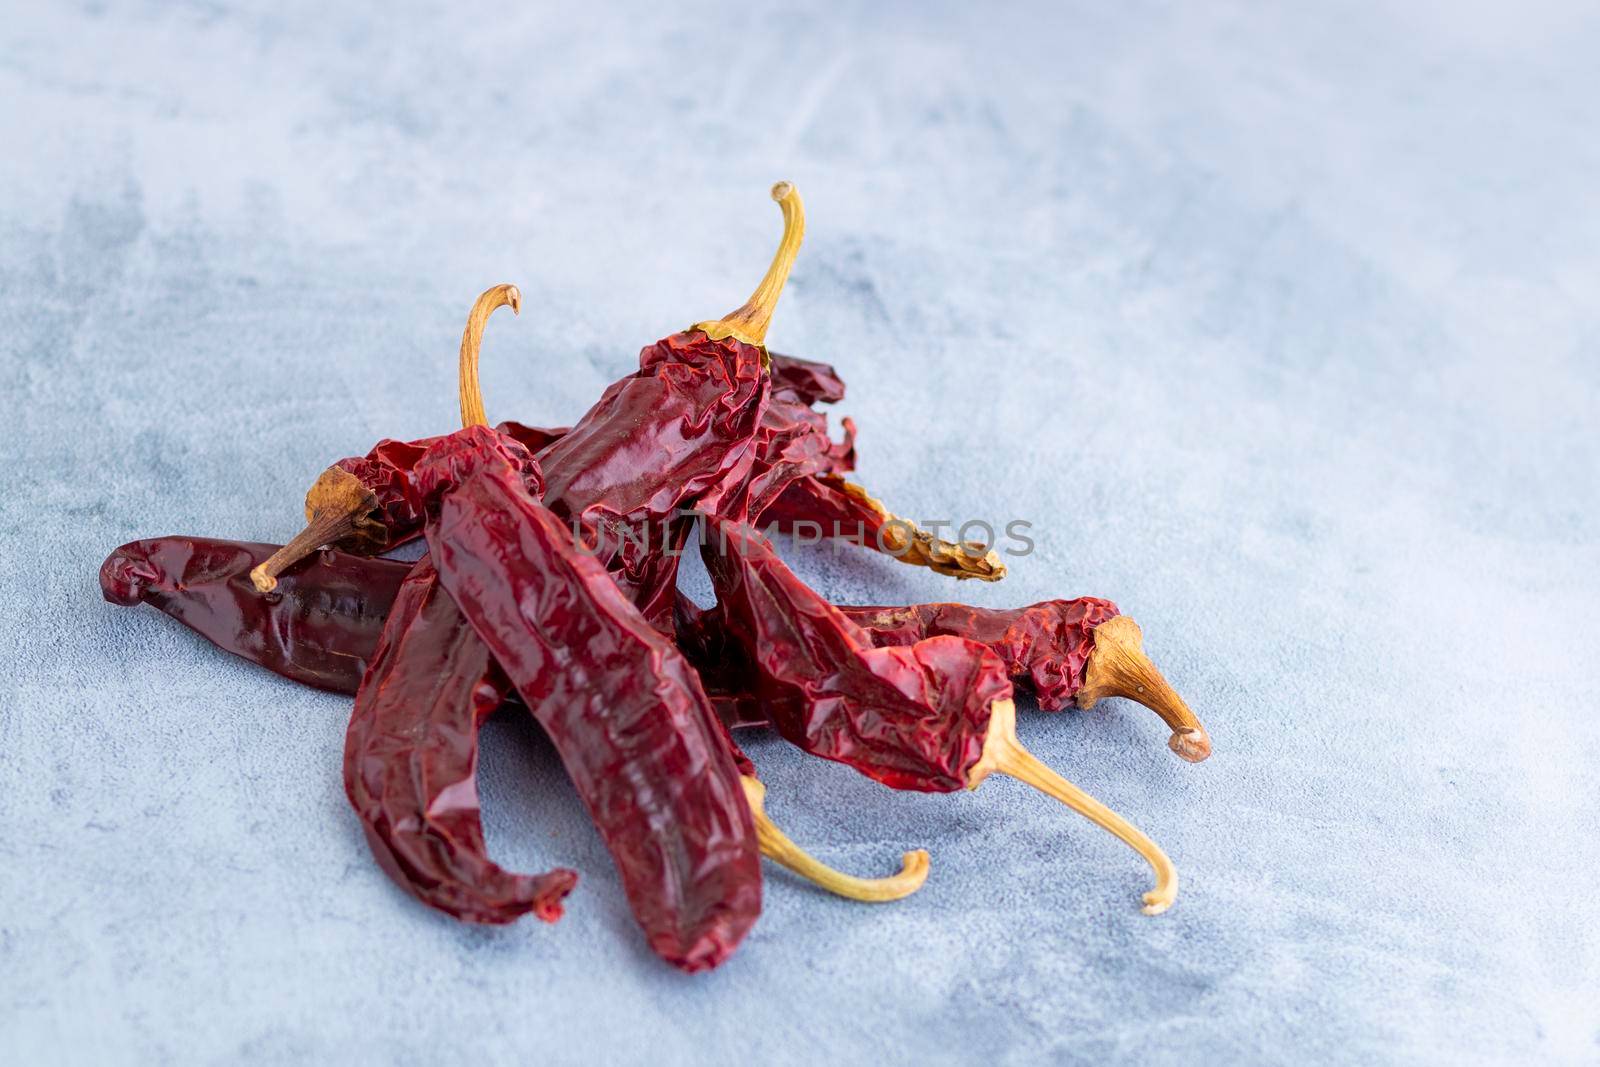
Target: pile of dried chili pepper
<point x="548" y="586"/>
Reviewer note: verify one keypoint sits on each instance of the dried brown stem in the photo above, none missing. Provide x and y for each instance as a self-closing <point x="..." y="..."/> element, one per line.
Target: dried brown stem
<point x="1002" y="752"/>
<point x="337" y="507"/>
<point x="908" y="543"/>
<point x="472" y="413"/>
<point x="776" y="846"/>
<point x="749" y="322"/>
<point x="1118" y="667"/>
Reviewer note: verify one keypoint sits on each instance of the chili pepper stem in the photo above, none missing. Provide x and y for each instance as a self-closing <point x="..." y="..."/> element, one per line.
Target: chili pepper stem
<point x="908" y="543"/>
<point x="776" y="846"/>
<point x="1002" y="752"/>
<point x="498" y="296"/>
<point x="1118" y="667"/>
<point x="749" y="322"/>
<point x="336" y="507"/>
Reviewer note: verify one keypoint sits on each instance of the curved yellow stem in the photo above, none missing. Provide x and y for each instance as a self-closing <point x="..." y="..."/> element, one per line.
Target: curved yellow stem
<point x="1004" y="753"/>
<point x="776" y="846"/>
<point x="472" y="413"/>
<point x="749" y="322"/>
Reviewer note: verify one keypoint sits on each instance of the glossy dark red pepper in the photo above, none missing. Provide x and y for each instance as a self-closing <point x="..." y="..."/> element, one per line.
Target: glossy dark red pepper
<point x="411" y="761"/>
<point x="322" y="624"/>
<point x="319" y="627"/>
<point x="912" y="717"/>
<point x="622" y="707"/>
<point x="935" y="715"/>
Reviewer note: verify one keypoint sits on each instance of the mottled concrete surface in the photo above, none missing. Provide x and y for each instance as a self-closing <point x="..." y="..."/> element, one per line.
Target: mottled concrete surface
<point x="1280" y="323"/>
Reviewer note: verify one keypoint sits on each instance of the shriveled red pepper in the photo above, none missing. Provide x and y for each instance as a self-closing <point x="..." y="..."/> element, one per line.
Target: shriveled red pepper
<point x="1046" y="647"/>
<point x="411" y="748"/>
<point x="624" y="710"/>
<point x="319" y="627"/>
<point x="323" y="622"/>
<point x="1067" y="652"/>
<point x="936" y="715"/>
<point x="411" y="762"/>
<point x="681" y="432"/>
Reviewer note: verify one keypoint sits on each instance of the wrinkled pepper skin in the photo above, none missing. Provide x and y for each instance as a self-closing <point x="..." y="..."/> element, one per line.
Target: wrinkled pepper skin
<point x="1045" y="647"/>
<point x="622" y="707"/>
<point x="804" y="380"/>
<point x="320" y="626"/>
<point x="411" y="763"/>
<point x="680" y="432"/>
<point x="792" y="443"/>
<point x="383" y="471"/>
<point x="705" y="405"/>
<point x="911" y="717"/>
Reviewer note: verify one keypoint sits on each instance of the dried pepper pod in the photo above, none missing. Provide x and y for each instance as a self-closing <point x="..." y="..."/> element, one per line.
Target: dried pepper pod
<point x="936" y="715"/>
<point x="319" y="627"/>
<point x="724" y="426"/>
<point x="1046" y="646"/>
<point x="822" y="503"/>
<point x="622" y="707"/>
<point x="322" y="625"/>
<point x="411" y="762"/>
<point x="359" y="503"/>
<point x="1067" y="652"/>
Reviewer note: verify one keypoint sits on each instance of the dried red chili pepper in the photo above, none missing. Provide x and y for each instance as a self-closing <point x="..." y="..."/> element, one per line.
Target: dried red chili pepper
<point x="320" y="626"/>
<point x="1046" y="647"/>
<point x="411" y="761"/>
<point x="936" y="715"/>
<point x="624" y="710"/>
<point x="1067" y="652"/>
<point x="681" y="432"/>
<point x="821" y="503"/>
<point x="323" y="623"/>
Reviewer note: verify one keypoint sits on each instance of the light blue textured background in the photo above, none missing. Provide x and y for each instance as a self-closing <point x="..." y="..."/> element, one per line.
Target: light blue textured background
<point x="1281" y="322"/>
